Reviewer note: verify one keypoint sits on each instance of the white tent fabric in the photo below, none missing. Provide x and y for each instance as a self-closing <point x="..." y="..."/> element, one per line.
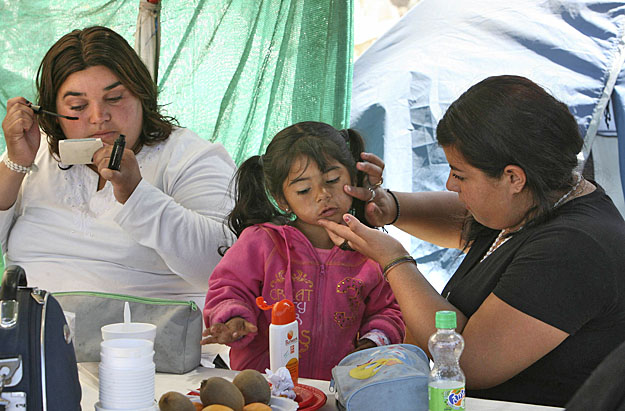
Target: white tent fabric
<point x="406" y="80"/>
<point x="148" y="35"/>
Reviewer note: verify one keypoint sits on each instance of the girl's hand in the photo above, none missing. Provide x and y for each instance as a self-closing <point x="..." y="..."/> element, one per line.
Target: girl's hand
<point x="21" y="132"/>
<point x="234" y="329"/>
<point x="373" y="243"/>
<point x="363" y="344"/>
<point x="126" y="179"/>
<point x="382" y="209"/>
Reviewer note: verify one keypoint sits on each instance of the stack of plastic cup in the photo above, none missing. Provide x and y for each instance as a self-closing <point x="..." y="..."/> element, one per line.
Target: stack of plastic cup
<point x="126" y="375"/>
<point x="144" y="331"/>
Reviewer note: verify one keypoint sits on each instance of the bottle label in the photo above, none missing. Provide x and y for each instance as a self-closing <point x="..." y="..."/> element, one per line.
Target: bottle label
<point x="446" y="399"/>
<point x="293" y="367"/>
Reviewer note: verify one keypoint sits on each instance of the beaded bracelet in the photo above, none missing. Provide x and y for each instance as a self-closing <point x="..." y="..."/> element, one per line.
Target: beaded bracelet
<point x="395" y="262"/>
<point x="16" y="167"/>
<point x="396" y="204"/>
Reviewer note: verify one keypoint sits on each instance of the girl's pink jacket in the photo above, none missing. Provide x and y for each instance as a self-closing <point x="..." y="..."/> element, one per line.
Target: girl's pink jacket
<point x="336" y="300"/>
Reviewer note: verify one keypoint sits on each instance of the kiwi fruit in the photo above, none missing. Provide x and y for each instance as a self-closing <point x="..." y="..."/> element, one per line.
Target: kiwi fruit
<point x="253" y="386"/>
<point x="217" y="390"/>
<point x="174" y="401"/>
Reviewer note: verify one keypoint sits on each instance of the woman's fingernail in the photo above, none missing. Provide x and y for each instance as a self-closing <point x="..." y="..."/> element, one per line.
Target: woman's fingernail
<point x="348" y="188"/>
<point x="347" y="218"/>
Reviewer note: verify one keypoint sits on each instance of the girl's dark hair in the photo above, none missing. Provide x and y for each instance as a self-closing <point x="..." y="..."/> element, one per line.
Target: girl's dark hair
<point x="262" y="176"/>
<point x="99" y="46"/>
<point x="510" y="120"/>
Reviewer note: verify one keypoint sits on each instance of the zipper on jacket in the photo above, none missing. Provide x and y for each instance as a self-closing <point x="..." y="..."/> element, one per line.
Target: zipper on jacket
<point x="124" y="297"/>
<point x="319" y="316"/>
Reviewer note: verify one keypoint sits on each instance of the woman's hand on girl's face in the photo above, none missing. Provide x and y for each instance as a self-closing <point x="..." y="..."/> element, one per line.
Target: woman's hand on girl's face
<point x="224" y="333"/>
<point x="374" y="244"/>
<point x="126" y="179"/>
<point x="372" y="166"/>
<point x="382" y="209"/>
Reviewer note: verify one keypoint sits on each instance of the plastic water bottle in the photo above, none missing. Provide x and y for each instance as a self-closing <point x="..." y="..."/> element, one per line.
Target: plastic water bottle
<point x="446" y="381"/>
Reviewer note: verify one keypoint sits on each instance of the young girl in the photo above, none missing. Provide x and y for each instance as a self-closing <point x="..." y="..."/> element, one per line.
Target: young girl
<point x="342" y="302"/>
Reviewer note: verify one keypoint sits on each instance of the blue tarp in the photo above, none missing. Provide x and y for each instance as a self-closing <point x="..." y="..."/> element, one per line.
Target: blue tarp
<point x="406" y="80"/>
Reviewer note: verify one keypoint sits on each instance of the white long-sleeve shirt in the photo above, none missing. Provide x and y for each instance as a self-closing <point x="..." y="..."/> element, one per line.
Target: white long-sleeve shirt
<point x="162" y="242"/>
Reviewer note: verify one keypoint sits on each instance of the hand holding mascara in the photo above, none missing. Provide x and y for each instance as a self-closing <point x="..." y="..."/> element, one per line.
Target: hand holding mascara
<point x="116" y="154"/>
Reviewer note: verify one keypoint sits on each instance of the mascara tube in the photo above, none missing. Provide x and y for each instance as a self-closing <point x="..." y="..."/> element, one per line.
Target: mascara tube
<point x="116" y="154"/>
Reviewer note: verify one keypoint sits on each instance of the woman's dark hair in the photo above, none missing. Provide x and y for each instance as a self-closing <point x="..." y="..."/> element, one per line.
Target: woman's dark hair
<point x="510" y="120"/>
<point x="259" y="176"/>
<point x="99" y="46"/>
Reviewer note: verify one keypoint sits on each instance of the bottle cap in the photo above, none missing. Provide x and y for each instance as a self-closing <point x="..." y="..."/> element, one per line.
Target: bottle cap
<point x="445" y="319"/>
<point x="282" y="312"/>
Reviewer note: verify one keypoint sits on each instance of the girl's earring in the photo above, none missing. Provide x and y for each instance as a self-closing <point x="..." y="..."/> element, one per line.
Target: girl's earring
<point x="289" y="214"/>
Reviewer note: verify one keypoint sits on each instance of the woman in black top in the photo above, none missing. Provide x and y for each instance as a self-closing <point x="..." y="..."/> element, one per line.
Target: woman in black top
<point x="539" y="295"/>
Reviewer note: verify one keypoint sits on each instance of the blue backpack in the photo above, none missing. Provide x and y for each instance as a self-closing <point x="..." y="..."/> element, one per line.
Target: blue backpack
<point x="38" y="368"/>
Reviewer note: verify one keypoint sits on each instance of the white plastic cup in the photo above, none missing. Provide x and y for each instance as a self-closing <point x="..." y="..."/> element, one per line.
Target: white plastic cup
<point x="140" y="394"/>
<point x="129" y="387"/>
<point x="126" y="348"/>
<point x="112" y="361"/>
<point x="126" y="373"/>
<point x="132" y="375"/>
<point x="99" y="407"/>
<point x="144" y="331"/>
<point x="130" y="401"/>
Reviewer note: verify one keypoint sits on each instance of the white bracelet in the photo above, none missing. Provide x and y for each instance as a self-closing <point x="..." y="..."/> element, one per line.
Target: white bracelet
<point x="16" y="167"/>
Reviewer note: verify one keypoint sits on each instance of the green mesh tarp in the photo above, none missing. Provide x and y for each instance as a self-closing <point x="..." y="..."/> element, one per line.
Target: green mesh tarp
<point x="234" y="71"/>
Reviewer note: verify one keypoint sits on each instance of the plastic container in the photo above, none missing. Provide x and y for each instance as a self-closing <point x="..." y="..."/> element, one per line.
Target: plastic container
<point x="283" y="337"/>
<point x="446" y="382"/>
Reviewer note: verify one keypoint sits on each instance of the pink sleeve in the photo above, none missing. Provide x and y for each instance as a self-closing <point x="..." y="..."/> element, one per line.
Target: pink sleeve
<point x="377" y="336"/>
<point x="382" y="312"/>
<point x="236" y="282"/>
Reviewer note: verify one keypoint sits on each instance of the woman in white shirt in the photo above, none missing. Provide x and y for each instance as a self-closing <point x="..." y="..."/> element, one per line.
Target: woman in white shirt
<point x="154" y="227"/>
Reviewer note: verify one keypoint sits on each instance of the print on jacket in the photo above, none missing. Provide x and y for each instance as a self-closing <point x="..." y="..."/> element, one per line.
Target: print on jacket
<point x="302" y="297"/>
<point x="353" y="288"/>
